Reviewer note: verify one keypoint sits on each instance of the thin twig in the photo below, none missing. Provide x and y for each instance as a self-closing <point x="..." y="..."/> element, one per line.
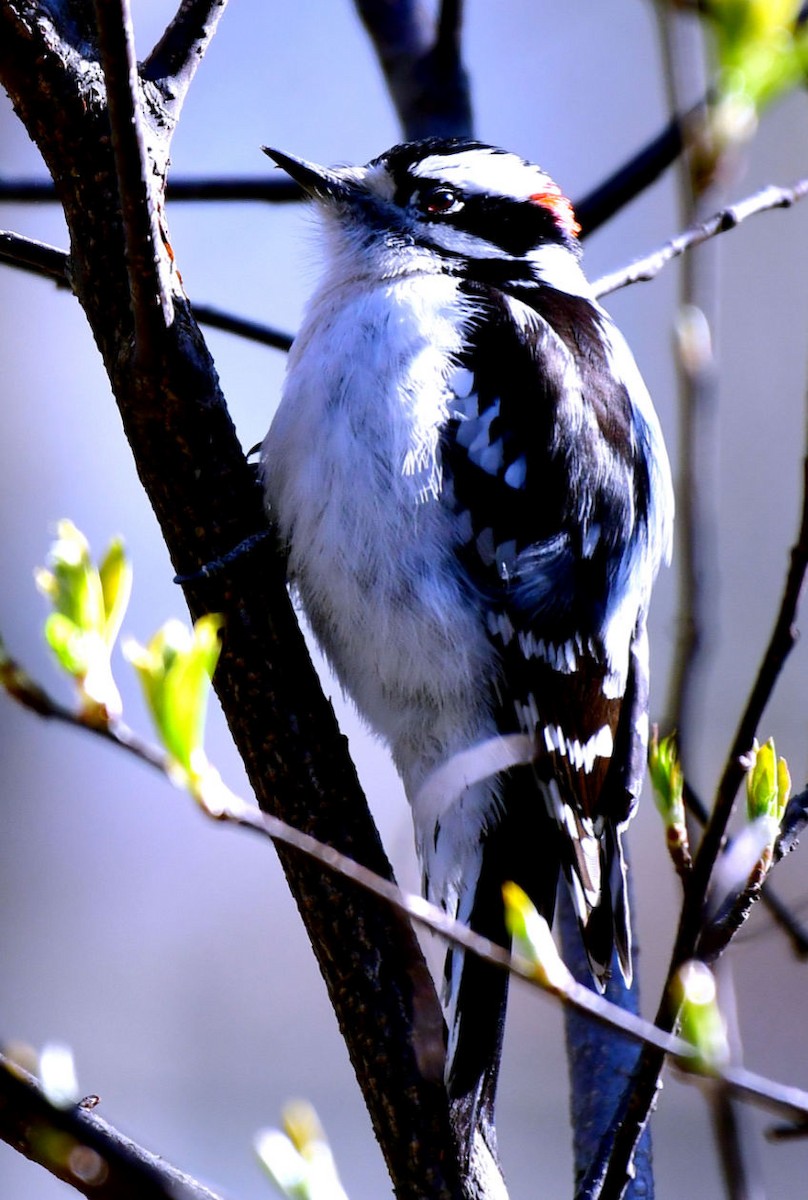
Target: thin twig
<point x="648" y="267"/>
<point x="226" y="806"/>
<point x="152" y="308"/>
<point x="275" y="188"/>
<point x="254" y="331"/>
<point x="49" y="262"/>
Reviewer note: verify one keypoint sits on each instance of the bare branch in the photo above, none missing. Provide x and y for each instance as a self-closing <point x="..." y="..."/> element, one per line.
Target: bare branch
<point x="647" y="268"/>
<point x="422" y="65"/>
<point x="254" y="331"/>
<point x="79" y="1147"/>
<point x="626" y="183"/>
<point x="224" y="805"/>
<point x="173" y="62"/>
<point x="274" y="189"/>
<point x="38" y="258"/>
<point x="152" y="309"/>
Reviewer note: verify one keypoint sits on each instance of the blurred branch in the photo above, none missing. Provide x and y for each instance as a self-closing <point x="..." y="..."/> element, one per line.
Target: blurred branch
<point x="80" y="1148"/>
<point x="609" y="1181"/>
<point x="644" y="269"/>
<point x="633" y="177"/>
<point x="49" y="262"/>
<point x="421" y="60"/>
<point x="273" y="188"/>
<point x="682" y="54"/>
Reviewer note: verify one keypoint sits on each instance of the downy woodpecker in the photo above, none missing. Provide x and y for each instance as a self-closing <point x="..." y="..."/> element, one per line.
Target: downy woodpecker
<point x="470" y="479"/>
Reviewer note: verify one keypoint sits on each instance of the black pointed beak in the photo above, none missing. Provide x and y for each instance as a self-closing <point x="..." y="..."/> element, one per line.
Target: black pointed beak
<point x="316" y="181"/>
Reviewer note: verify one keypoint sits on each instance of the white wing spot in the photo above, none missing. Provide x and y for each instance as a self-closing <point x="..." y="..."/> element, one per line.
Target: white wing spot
<point x="516" y="473"/>
<point x="461" y="382"/>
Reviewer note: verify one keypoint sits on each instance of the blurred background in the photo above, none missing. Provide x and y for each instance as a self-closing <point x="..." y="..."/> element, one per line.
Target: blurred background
<point x="164" y="950"/>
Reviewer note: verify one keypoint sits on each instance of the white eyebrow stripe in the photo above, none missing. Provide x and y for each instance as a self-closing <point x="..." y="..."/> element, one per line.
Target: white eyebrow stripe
<point x="488" y="172"/>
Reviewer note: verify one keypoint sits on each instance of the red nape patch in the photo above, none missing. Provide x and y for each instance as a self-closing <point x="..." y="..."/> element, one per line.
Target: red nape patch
<point x="557" y="203"/>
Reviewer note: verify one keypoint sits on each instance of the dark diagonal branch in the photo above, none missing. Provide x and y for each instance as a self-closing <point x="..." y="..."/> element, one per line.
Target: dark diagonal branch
<point x="172" y="64"/>
<point x="38" y="258"/>
<point x="80" y="1148"/>
<point x="206" y="501"/>
<point x="638" y="173"/>
<point x="422" y="64"/>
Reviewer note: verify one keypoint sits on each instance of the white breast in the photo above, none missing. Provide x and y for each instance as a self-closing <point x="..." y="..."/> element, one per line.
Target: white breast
<point x="353" y="481"/>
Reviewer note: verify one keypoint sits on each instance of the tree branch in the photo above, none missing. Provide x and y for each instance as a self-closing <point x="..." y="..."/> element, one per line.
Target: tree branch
<point x="648" y="267"/>
<point x="36" y="257"/>
<point x="80" y="1148"/>
<point x="49" y="262"/>
<point x="207" y="502"/>
<point x="274" y="188"/>
<point x="173" y="62"/>
<point x="422" y="65"/>
<point x="150" y="295"/>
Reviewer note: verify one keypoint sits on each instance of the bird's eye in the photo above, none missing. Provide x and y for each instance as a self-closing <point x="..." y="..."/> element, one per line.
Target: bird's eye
<point x="438" y="200"/>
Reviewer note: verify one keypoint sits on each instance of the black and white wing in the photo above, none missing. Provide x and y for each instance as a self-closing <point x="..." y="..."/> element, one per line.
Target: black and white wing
<point x="559" y="480"/>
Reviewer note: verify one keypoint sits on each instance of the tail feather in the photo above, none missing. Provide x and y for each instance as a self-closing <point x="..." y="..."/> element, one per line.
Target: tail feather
<point x="602" y="911"/>
<point x="522" y="847"/>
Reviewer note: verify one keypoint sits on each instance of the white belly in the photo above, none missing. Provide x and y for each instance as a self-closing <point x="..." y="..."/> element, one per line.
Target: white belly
<point x="354" y="484"/>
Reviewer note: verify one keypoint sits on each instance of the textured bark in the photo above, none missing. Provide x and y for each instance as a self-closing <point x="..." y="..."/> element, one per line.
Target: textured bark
<point x="207" y="503"/>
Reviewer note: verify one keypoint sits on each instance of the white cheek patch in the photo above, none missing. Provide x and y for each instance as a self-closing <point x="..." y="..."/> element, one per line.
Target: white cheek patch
<point x="556" y="267"/>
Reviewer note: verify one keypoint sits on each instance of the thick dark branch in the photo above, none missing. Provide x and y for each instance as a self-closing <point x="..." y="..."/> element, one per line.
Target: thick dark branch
<point x="79" y="1147"/>
<point x="422" y="65"/>
<point x="206" y="500"/>
<point x="173" y="62"/>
